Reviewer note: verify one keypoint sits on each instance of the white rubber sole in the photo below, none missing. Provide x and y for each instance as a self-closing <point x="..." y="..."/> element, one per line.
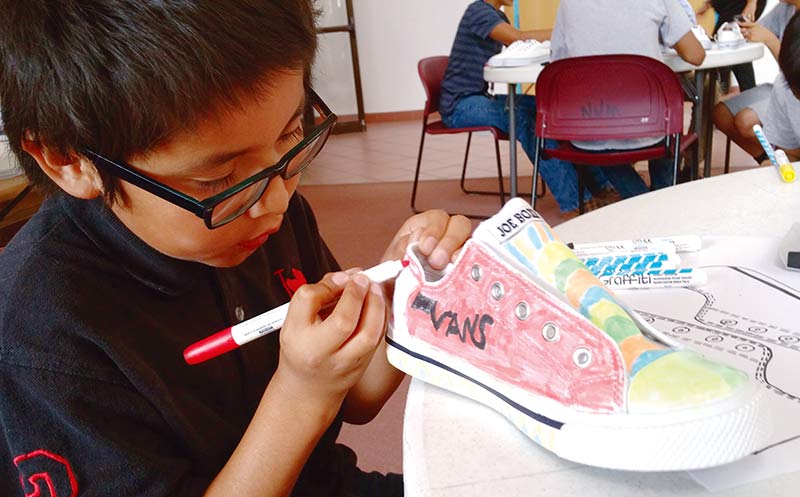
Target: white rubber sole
<point x="688" y="439"/>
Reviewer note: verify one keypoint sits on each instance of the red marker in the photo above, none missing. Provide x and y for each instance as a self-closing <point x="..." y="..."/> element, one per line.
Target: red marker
<point x="264" y="324"/>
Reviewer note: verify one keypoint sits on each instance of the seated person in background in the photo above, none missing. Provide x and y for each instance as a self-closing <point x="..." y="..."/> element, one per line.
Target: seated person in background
<point x="781" y="121"/>
<point x="736" y="116"/>
<point x="726" y="10"/>
<point x="482" y="32"/>
<point x="599" y="27"/>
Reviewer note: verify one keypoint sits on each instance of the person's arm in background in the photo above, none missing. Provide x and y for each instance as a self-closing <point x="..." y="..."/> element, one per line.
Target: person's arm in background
<point x="690" y="49"/>
<point x="749" y="10"/>
<point x="703" y="8"/>
<point x="754" y="31"/>
<point x="507" y="34"/>
<point x="675" y="31"/>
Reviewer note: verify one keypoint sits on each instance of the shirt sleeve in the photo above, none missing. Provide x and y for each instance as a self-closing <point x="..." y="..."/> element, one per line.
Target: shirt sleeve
<point x="689" y="11"/>
<point x="675" y="25"/>
<point x="558" y="42"/>
<point x="87" y="437"/>
<point x="481" y="19"/>
<point x="777" y="122"/>
<point x="776" y="19"/>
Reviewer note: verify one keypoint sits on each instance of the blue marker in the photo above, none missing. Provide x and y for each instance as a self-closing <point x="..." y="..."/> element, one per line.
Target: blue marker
<point x="785" y="169"/>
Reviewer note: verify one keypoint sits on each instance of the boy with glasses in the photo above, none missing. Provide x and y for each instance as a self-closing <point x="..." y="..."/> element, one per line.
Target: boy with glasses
<point x="169" y="137"/>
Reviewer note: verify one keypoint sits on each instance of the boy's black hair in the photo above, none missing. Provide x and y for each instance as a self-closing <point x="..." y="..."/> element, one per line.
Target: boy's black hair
<point x="789" y="55"/>
<point x="121" y="76"/>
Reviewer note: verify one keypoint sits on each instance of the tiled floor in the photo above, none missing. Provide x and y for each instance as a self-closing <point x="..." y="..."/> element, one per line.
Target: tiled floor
<point x="388" y="151"/>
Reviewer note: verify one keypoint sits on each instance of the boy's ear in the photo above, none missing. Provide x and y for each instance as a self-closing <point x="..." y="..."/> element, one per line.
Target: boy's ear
<point x="73" y="173"/>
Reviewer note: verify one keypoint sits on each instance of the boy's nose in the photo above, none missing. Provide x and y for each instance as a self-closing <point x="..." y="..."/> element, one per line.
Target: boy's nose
<point x="274" y="200"/>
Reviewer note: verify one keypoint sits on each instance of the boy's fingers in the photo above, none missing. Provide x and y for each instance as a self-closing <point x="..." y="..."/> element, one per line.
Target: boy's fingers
<point x="441" y="239"/>
<point x="458" y="231"/>
<point x="344" y="318"/>
<point x="371" y="326"/>
<point x="310" y="299"/>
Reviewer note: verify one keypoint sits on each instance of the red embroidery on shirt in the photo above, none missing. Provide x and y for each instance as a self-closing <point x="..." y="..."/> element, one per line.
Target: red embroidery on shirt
<point x="293" y="282"/>
<point x="43" y="467"/>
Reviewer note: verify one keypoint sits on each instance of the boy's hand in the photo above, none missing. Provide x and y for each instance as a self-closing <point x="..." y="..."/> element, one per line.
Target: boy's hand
<point x="324" y="351"/>
<point x="439" y="234"/>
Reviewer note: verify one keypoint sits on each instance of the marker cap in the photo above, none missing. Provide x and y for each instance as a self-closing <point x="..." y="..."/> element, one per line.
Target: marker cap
<point x="787" y="173"/>
<point x="210" y="347"/>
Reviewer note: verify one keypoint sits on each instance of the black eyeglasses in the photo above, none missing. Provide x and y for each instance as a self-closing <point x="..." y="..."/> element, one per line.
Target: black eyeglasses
<point x="226" y="206"/>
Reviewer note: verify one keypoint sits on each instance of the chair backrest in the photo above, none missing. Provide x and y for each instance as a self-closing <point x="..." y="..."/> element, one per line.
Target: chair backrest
<point x="431" y="73"/>
<point x="602" y="97"/>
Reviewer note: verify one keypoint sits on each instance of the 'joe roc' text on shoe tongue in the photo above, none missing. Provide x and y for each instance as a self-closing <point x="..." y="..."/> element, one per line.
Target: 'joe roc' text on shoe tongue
<point x="516" y="221"/>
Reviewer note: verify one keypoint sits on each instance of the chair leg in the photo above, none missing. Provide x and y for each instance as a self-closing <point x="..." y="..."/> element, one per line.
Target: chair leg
<point x="727" y="155"/>
<point x="416" y="173"/>
<point x="544" y="188"/>
<point x="501" y="190"/>
<point x="537" y="152"/>
<point x="464" y="166"/>
<point x="416" y="178"/>
<point x="13" y="203"/>
<point x="695" y="160"/>
<point x="676" y="159"/>
<point x="499" y="173"/>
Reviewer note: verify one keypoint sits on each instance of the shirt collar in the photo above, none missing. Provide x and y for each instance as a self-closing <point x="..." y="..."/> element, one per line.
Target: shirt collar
<point x="156" y="270"/>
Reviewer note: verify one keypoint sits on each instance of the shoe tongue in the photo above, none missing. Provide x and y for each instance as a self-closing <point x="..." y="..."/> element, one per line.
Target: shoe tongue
<point x="516" y="226"/>
<point x="520" y="234"/>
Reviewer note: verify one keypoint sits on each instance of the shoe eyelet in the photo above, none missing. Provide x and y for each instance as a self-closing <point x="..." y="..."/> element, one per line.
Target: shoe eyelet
<point x="476" y="272"/>
<point x="582" y="357"/>
<point x="550" y="332"/>
<point x="497" y="291"/>
<point x="522" y="311"/>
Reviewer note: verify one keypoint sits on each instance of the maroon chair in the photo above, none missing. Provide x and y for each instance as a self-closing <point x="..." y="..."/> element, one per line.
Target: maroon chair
<point x="604" y="97"/>
<point x="431" y="72"/>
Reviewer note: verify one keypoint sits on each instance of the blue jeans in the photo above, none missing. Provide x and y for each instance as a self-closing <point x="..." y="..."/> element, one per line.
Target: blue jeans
<point x="560" y="176"/>
<point x="627" y="182"/>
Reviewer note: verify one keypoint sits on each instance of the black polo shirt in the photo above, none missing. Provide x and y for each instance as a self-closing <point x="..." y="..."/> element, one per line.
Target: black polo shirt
<point x="95" y="398"/>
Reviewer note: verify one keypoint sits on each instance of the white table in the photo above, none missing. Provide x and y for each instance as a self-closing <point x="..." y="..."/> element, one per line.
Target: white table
<point x="715" y="58"/>
<point x="453" y="446"/>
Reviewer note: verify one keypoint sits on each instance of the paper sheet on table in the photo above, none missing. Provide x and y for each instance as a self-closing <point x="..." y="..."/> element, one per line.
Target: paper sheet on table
<point x="747" y="315"/>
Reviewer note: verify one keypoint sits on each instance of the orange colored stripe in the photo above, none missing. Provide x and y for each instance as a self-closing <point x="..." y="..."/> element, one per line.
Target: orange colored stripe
<point x="633" y="346"/>
<point x="577" y="284"/>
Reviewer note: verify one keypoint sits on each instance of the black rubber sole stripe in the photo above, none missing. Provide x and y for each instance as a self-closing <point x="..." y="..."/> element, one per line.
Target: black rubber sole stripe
<point x="524" y="410"/>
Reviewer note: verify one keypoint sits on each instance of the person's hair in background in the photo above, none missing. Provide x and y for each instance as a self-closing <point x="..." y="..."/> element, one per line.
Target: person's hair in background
<point x="789" y="57"/>
<point x="58" y="59"/>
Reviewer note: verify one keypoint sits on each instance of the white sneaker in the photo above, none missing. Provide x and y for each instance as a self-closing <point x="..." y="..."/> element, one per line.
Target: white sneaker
<point x="519" y="324"/>
<point x="702" y="37"/>
<point x="522" y="53"/>
<point x="729" y="36"/>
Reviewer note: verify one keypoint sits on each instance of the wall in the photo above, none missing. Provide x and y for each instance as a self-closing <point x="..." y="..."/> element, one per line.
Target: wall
<point x="392" y="36"/>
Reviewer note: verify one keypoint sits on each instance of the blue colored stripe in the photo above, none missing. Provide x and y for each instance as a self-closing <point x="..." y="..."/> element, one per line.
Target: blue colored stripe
<point x="646" y="358"/>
